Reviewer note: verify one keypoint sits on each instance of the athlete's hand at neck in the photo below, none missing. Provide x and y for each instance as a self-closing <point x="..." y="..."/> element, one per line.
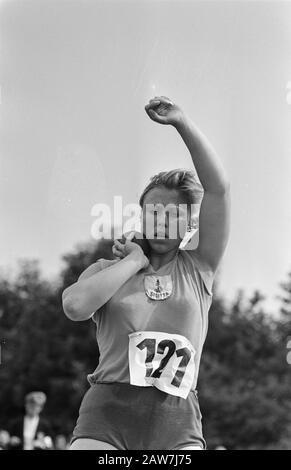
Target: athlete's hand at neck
<point x="122" y="250"/>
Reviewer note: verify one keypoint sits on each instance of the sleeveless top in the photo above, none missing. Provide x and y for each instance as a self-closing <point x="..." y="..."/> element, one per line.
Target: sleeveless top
<point x="155" y="340"/>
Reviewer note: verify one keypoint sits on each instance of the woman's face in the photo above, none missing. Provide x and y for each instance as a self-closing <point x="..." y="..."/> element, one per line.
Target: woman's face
<point x="164" y="218"/>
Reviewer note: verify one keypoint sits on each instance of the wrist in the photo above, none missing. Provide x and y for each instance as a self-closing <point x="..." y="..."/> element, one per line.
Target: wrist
<point x="137" y="259"/>
<point x="182" y="123"/>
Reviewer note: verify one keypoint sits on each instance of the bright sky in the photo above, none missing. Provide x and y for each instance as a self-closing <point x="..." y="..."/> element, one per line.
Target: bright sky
<point x="75" y="77"/>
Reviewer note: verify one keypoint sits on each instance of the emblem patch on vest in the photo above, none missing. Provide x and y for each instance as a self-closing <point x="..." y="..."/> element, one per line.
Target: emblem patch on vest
<point x="158" y="287"/>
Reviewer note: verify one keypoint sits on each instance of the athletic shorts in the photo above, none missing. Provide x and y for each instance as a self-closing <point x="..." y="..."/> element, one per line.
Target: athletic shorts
<point x="130" y="417"/>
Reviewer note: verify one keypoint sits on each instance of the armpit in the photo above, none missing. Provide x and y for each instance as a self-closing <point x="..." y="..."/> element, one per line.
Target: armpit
<point x="204" y="272"/>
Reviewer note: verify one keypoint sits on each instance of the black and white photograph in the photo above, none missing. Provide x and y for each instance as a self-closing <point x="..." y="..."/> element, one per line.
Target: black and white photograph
<point x="145" y="227"/>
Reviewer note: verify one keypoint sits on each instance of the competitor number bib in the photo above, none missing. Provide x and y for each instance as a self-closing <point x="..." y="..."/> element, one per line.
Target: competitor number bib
<point x="161" y="360"/>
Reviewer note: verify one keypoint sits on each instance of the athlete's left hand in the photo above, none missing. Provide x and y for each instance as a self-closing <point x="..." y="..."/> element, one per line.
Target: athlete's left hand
<point x="162" y="110"/>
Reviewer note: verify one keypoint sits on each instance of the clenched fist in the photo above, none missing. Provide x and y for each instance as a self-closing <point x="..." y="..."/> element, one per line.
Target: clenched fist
<point x="161" y="109"/>
<point x="126" y="247"/>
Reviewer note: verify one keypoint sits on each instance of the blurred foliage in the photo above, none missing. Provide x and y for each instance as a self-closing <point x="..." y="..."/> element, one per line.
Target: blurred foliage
<point x="245" y="380"/>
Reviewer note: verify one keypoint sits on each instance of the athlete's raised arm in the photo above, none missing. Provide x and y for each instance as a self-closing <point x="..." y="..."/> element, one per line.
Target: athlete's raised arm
<point x="92" y="290"/>
<point x="214" y="219"/>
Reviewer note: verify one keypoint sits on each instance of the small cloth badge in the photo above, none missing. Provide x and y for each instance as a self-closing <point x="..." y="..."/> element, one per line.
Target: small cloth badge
<point x="158" y="287"/>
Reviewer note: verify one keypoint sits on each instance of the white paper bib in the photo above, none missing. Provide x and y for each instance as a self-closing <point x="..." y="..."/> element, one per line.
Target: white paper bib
<point x="161" y="360"/>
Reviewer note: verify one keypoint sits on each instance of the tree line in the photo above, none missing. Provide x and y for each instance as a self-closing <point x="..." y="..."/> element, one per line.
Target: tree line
<point x="245" y="379"/>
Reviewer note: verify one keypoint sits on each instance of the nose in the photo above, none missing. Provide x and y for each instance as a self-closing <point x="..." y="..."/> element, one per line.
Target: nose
<point x="161" y="229"/>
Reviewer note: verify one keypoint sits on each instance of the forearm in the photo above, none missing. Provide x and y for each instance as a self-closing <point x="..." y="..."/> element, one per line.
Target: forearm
<point x="82" y="299"/>
<point x="206" y="162"/>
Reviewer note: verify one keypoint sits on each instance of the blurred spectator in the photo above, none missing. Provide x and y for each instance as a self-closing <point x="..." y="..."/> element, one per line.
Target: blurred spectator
<point x="61" y="442"/>
<point x="31" y="431"/>
<point x="4" y="439"/>
<point x="15" y="443"/>
<point x="220" y="448"/>
<point x="42" y="442"/>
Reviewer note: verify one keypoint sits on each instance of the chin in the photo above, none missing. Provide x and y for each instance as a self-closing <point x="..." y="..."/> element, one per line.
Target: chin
<point x="163" y="245"/>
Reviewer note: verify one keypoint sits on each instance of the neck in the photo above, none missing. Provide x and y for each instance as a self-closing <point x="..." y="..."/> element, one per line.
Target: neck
<point x="158" y="260"/>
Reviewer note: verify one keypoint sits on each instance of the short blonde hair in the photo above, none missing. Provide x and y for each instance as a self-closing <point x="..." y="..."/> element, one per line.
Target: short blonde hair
<point x="183" y="180"/>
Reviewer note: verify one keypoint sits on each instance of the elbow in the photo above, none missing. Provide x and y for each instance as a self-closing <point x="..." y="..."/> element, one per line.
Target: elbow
<point x="76" y="309"/>
<point x="71" y="308"/>
<point x="225" y="187"/>
<point x="222" y="189"/>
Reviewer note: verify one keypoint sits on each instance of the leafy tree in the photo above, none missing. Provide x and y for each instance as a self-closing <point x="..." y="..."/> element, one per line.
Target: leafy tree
<point x="245" y="380"/>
